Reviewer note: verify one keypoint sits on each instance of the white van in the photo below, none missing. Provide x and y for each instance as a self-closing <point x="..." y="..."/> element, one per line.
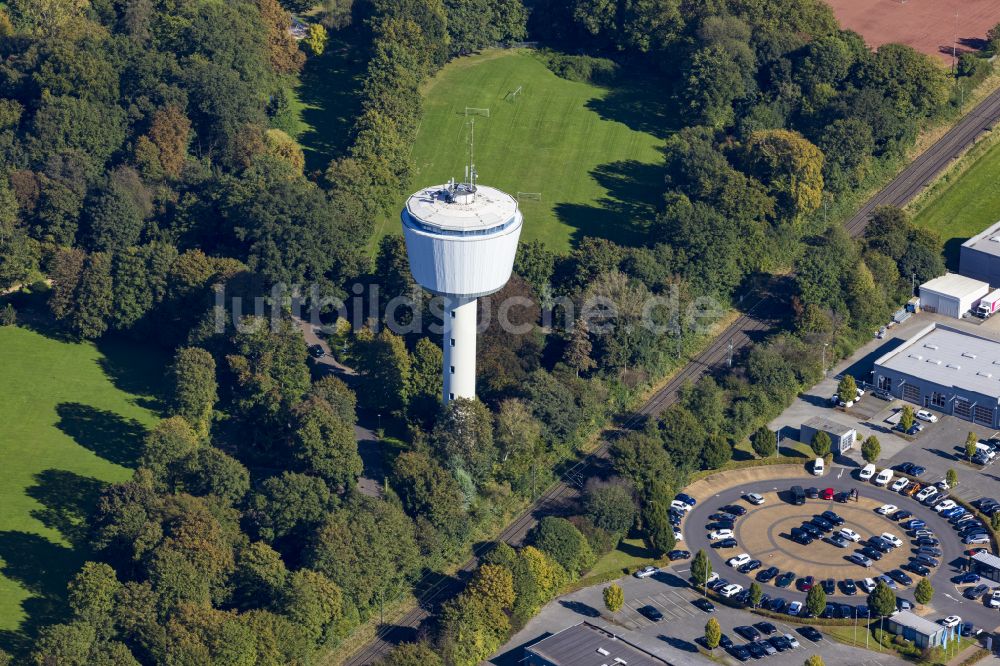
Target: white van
<point x="884" y="477"/>
<point x="867" y="472"/>
<point x="818" y="467"/>
<point x="988" y="451"/>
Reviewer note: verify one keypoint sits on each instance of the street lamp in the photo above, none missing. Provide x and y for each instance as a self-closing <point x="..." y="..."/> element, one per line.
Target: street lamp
<point x="825" y="345"/>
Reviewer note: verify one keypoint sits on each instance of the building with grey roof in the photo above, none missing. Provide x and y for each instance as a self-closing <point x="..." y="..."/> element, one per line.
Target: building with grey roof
<point x="586" y="644"/>
<point x="987" y="565"/>
<point x="841" y="436"/>
<point x="948" y="370"/>
<point x="912" y="627"/>
<point x="952" y="294"/>
<point x="979" y="257"/>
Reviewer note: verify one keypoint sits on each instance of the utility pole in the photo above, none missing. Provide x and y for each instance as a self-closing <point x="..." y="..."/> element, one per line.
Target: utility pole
<point x="913" y="284"/>
<point x="730" y="352"/>
<point x="825" y="345"/>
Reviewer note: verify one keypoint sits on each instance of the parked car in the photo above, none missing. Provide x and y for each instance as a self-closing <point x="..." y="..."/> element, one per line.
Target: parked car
<point x="651" y="613"/>
<point x="884" y="477"/>
<point x="950" y="622"/>
<point x="966" y="578"/>
<point x="867" y="472"/>
<point x="750" y="567"/>
<point x="900" y="577"/>
<point x="848" y="587"/>
<point x="838" y="541"/>
<point x="868" y="584"/>
<point x="925" y="415"/>
<point x="932" y="552"/>
<point x="794" y="608"/>
<point x="805" y="583"/>
<point x="725" y="543"/>
<point x="850" y="534"/>
<point x="976" y="592"/>
<point x="812" y="492"/>
<point x="680" y="506"/>
<point x="994" y="599"/>
<point x="785" y="579"/>
<point x="754" y="498"/>
<point x="945" y="505"/>
<point x="766" y="575"/>
<point x="734" y="509"/>
<point x="675" y="555"/>
<point x="901" y="515"/>
<point x="926" y="493"/>
<point x="915" y="524"/>
<point x="833" y="518"/>
<point x="892" y="538"/>
<point x="871" y="553"/>
<point x="645" y="572"/>
<point x="748" y="633"/>
<point x="829" y="586"/>
<point x="811" y="634"/>
<point x="316" y="351"/>
<point x="687" y="499"/>
<point x="899" y="484"/>
<point x="823" y="524"/>
<point x="917" y="568"/>
<point x="886" y="509"/>
<point x="731" y="590"/>
<point x="765" y="628"/>
<point x="738" y="560"/>
<point x="860" y="560"/>
<point x="720" y="534"/>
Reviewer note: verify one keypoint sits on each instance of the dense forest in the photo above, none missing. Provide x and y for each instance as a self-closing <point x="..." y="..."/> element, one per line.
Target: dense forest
<point x="143" y="168"/>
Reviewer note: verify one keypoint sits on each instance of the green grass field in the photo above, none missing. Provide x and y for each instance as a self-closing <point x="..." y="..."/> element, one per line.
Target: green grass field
<point x="592" y="153"/>
<point x="963" y="206"/>
<point x="71" y="418"/>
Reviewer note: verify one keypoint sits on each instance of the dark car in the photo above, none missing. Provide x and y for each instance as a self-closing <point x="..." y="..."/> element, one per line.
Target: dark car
<point x="748" y="632"/>
<point x="725" y="642"/>
<point x="917" y="568"/>
<point x="848" y="587"/>
<point x="675" y="555"/>
<point x="871" y="553"/>
<point x="842" y="497"/>
<point x="767" y="647"/>
<point x="777" y="605"/>
<point x="734" y="509"/>
<point x="725" y="543"/>
<point x="742" y="598"/>
<point x="902" y="515"/>
<point x="823" y="524"/>
<point x="915" y="524"/>
<point x="785" y="579"/>
<point x="880" y="544"/>
<point x="925" y="542"/>
<point x="722" y="515"/>
<point x="780" y="643"/>
<point x="687" y="499"/>
<point x="968" y="629"/>
<point x="757" y="650"/>
<point x="806" y="583"/>
<point x="811" y="634"/>
<point x="739" y="652"/>
<point x="750" y="566"/>
<point x="767" y="574"/>
<point x="828" y="611"/>
<point x="985" y="503"/>
<point x="899" y="577"/>
<point x="812" y="530"/>
<point x="926" y="561"/>
<point x="936" y="552"/>
<point x="812" y="493"/>
<point x="801" y="537"/>
<point x="833" y="518"/>
<point x="650" y="613"/>
<point x="917" y="470"/>
<point x="316" y="351"/>
<point x="966" y="578"/>
<point x="720" y="525"/>
<point x="704" y="604"/>
<point x="765" y="628"/>
<point x="862" y="610"/>
<point x="765" y="601"/>
<point x="904" y="467"/>
<point x="829" y="586"/>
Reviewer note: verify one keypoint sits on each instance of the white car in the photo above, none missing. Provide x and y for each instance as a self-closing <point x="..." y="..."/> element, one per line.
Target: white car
<point x="731" y="590"/>
<point x="925" y="493"/>
<point x="994" y="600"/>
<point x="720" y="534"/>
<point x="943" y="485"/>
<point x="950" y="621"/>
<point x="794" y="608"/>
<point x="945" y="505"/>
<point x="645" y="572"/>
<point x="868" y="584"/>
<point x="754" y="498"/>
<point x="886" y="509"/>
<point x="739" y="560"/>
<point x="925" y="415"/>
<point x="850" y="535"/>
<point x="791" y="640"/>
<point x="712" y="577"/>
<point x="678" y="536"/>
<point x="900" y="484"/>
<point x="884" y="477"/>
<point x="892" y="538"/>
<point x="867" y="472"/>
<point x="680" y="506"/>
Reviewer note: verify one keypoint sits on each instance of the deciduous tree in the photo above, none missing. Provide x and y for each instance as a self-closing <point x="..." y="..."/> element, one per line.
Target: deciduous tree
<point x="614" y="598"/>
<point x="764" y="442"/>
<point x="924" y="592"/>
<point x="816" y="600"/>
<point x="821" y="444"/>
<point x="871" y="449"/>
<point x="713" y="633"/>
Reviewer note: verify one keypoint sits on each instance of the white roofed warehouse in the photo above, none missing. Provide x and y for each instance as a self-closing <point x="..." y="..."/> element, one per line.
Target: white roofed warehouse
<point x="979" y="257"/>
<point x="947" y="370"/>
<point x="952" y="295"/>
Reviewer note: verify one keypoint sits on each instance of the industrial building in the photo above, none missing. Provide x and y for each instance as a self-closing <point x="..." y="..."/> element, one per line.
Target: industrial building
<point x="841" y="436"/>
<point x="586" y="644"/>
<point x="461" y="239"/>
<point x="912" y="627"/>
<point x="987" y="565"/>
<point x="979" y="257"/>
<point x="952" y="295"/>
<point x="948" y="370"/>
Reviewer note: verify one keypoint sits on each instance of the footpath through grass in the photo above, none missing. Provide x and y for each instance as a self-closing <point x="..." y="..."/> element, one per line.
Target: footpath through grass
<point x="591" y="153"/>
<point x="964" y="203"/>
<point x="71" y="418"/>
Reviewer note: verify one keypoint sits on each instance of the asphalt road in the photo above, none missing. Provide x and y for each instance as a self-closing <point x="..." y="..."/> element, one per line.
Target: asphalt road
<point x="735" y="338"/>
<point x="947" y="600"/>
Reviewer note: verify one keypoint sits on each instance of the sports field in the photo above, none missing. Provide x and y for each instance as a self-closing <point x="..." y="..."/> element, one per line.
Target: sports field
<point x="71" y="417"/>
<point x="591" y="154"/>
<point x="962" y="207"/>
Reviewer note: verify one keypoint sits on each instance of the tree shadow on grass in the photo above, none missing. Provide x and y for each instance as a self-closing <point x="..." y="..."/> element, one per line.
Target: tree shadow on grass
<point x="107" y="434"/>
<point x="643" y="105"/>
<point x="634" y="194"/>
<point x="43" y="568"/>
<point x="135" y="368"/>
<point x="68" y="500"/>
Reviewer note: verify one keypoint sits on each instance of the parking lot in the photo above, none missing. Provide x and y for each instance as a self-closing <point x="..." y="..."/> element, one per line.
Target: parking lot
<point x="669" y="593"/>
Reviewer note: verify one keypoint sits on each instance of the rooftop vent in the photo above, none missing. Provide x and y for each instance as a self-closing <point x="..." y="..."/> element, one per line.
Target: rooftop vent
<point x="930" y="346"/>
<point x="954" y="366"/>
<point x="920" y="358"/>
<point x="988" y="375"/>
<point x="968" y="355"/>
<point x="602" y="652"/>
<point x="995" y="239"/>
<point x="619" y="660"/>
<point x="934" y="361"/>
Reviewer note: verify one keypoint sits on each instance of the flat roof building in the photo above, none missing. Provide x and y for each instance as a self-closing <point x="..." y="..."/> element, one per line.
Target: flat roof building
<point x="979" y="257"/>
<point x="987" y="565"/>
<point x="586" y="644"/>
<point x="952" y="294"/>
<point x="948" y="370"/>
<point x="841" y="436"/>
<point x="912" y="627"/>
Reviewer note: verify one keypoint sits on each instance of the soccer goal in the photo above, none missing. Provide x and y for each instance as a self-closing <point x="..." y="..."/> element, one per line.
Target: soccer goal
<point x="529" y="196"/>
<point x="512" y="95"/>
<point x="473" y="111"/>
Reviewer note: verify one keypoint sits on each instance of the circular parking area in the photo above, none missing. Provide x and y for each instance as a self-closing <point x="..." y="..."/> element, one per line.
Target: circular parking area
<point x="765" y="533"/>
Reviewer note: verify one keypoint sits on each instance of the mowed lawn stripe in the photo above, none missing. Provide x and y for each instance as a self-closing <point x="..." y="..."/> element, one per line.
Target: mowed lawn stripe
<point x="65" y="428"/>
<point x="549" y="140"/>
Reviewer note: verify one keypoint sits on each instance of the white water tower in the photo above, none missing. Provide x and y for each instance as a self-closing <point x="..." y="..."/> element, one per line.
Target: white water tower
<point x="461" y="239"/>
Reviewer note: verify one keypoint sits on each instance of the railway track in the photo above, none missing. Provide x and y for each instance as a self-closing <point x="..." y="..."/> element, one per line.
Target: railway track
<point x="910" y="182"/>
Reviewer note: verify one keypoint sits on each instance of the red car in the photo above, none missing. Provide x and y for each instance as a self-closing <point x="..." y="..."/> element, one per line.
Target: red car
<point x="827" y="494"/>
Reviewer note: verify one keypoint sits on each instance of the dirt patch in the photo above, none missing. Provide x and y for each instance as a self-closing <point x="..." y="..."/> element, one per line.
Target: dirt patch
<point x="930" y="26"/>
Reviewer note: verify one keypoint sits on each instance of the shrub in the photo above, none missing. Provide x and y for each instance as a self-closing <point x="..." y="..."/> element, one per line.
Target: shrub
<point x="581" y="68"/>
<point x="8" y="315"/>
